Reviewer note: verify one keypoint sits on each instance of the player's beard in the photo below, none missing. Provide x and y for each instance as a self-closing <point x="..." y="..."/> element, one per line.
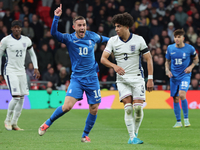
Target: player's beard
<point x="81" y="34"/>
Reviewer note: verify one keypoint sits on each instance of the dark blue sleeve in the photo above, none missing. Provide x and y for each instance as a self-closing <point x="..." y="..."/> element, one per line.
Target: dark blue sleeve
<point x="168" y="56"/>
<point x="193" y="52"/>
<point x="54" y="32"/>
<point x="99" y="38"/>
<point x="104" y="39"/>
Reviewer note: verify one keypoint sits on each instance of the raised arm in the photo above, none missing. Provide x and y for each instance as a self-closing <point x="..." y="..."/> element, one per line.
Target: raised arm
<point x="54" y="32"/>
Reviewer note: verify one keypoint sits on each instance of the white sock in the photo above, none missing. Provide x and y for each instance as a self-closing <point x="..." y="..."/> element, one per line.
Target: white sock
<point x="17" y="111"/>
<point x="138" y="116"/>
<point x="11" y="107"/>
<point x="129" y="119"/>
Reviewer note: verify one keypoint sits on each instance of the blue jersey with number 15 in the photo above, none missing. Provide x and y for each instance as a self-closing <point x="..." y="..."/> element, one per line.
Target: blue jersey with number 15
<point x="180" y="58"/>
<point x="81" y="51"/>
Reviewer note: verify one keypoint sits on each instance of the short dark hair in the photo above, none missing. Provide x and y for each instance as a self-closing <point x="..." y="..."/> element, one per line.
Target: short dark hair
<point x="124" y="19"/>
<point x="16" y="23"/>
<point x="179" y="32"/>
<point x="78" y="18"/>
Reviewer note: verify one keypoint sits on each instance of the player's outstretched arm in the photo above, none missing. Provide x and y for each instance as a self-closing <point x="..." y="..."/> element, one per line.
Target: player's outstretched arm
<point x="150" y="83"/>
<point x="107" y="63"/>
<point x="194" y="63"/>
<point x="54" y="31"/>
<point x="104" y="39"/>
<point x="167" y="71"/>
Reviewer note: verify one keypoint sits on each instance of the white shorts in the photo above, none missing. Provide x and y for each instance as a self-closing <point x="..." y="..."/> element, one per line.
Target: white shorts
<point x="134" y="88"/>
<point x="17" y="84"/>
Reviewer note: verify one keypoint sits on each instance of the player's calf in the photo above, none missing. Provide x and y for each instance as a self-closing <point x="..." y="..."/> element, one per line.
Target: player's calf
<point x="138" y="112"/>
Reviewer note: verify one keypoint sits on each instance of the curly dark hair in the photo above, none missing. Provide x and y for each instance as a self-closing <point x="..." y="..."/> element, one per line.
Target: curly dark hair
<point x="124" y="19"/>
<point x="179" y="32"/>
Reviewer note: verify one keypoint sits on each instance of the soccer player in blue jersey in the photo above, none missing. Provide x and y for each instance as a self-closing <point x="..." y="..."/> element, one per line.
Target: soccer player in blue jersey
<point x="80" y="45"/>
<point x="183" y="58"/>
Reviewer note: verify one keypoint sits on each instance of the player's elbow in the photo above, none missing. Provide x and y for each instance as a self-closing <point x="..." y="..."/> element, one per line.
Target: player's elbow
<point x="102" y="60"/>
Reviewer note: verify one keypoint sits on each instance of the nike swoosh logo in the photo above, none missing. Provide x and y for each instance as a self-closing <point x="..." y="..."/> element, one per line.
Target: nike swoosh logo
<point x="76" y="41"/>
<point x="117" y="48"/>
<point x="173" y="53"/>
<point x="98" y="99"/>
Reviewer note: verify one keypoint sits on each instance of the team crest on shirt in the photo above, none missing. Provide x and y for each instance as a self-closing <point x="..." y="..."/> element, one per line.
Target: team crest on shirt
<point x="132" y="48"/>
<point x="184" y="55"/>
<point x="24" y="44"/>
<point x="14" y="89"/>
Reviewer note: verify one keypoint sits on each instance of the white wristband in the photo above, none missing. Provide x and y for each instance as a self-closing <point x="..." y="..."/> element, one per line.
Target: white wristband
<point x="150" y="77"/>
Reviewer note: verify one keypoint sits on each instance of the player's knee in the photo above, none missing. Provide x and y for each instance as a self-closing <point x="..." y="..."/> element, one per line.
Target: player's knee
<point x="138" y="109"/>
<point x="66" y="108"/>
<point x="128" y="108"/>
<point x="176" y="99"/>
<point x="94" y="111"/>
<point x="182" y="96"/>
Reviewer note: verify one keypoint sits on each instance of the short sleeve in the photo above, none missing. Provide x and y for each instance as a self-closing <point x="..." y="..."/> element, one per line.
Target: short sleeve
<point x="143" y="45"/>
<point x="3" y="45"/>
<point x="97" y="38"/>
<point x="29" y="43"/>
<point x="167" y="55"/>
<point x="193" y="52"/>
<point x="109" y="46"/>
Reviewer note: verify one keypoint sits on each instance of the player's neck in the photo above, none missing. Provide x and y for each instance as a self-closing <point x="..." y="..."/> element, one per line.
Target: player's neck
<point x="126" y="36"/>
<point x="180" y="45"/>
<point x="17" y="36"/>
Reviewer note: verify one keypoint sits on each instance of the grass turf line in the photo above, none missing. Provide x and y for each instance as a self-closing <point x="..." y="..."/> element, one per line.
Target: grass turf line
<point x="109" y="132"/>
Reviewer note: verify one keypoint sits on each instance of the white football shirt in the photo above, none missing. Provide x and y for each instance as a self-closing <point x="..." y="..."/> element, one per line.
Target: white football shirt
<point x="127" y="54"/>
<point x="15" y="50"/>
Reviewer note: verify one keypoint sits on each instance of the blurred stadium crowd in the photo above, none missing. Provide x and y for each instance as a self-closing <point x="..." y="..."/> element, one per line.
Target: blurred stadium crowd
<point x="155" y="20"/>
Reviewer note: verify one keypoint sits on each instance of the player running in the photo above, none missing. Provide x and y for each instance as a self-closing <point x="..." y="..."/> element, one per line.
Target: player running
<point x="15" y="46"/>
<point x="127" y="49"/>
<point x="80" y="45"/>
<point x="183" y="58"/>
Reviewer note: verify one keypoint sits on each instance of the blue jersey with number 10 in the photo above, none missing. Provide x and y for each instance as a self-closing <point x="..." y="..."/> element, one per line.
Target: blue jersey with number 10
<point x="181" y="58"/>
<point x="81" y="51"/>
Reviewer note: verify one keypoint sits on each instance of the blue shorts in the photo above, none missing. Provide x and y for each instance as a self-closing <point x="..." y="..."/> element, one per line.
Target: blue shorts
<point x="177" y="85"/>
<point x="91" y="87"/>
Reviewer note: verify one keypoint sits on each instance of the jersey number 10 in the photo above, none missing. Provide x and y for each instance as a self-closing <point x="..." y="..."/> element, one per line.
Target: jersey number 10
<point x="83" y="51"/>
<point x="178" y="61"/>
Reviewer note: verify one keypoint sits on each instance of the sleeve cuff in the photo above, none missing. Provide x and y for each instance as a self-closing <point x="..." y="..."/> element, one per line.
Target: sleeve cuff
<point x="57" y="17"/>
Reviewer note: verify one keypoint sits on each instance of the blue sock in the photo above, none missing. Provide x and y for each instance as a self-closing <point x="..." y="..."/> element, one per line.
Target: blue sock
<point x="56" y="114"/>
<point x="184" y="104"/>
<point x="89" y="124"/>
<point x="177" y="111"/>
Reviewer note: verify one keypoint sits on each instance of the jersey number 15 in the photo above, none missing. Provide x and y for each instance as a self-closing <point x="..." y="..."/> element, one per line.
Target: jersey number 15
<point x="178" y="61"/>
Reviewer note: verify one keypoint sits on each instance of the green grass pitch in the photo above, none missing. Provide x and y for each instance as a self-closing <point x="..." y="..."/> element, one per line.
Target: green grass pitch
<point x="109" y="132"/>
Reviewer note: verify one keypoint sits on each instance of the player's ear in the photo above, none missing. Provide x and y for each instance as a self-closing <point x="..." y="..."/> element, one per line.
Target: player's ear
<point x="73" y="27"/>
